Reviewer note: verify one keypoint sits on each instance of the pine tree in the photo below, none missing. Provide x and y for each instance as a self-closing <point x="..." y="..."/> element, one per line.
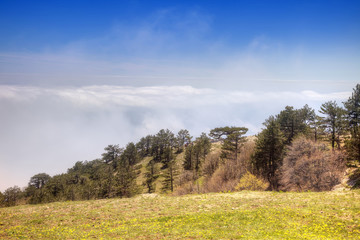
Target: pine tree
<point x="161" y="141"/>
<point x="37" y="189"/>
<point x="352" y="106"/>
<point x="126" y="174"/>
<point x="111" y="159"/>
<point x="293" y="122"/>
<point x="183" y="138"/>
<point x="333" y="121"/>
<point x="195" y="154"/>
<point x="144" y="146"/>
<point x="152" y="173"/>
<point x="170" y="172"/>
<point x="232" y="138"/>
<point x="188" y="158"/>
<point x="268" y="153"/>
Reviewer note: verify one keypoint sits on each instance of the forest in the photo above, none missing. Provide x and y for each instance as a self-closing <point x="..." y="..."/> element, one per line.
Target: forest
<point x="297" y="150"/>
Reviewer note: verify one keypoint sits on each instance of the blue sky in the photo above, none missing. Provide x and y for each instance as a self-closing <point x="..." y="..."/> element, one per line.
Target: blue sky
<point x="278" y="41"/>
<point x="76" y="76"/>
<point x="33" y="26"/>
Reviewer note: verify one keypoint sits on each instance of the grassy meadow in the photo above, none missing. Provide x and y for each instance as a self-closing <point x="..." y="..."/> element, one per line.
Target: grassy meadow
<point x="238" y="215"/>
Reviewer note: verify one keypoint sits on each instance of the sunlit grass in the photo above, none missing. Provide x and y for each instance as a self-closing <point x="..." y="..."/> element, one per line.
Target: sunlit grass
<point x="247" y="215"/>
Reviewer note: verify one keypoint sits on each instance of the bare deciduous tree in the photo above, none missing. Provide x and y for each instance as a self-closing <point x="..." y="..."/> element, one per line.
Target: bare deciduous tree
<point x="311" y="166"/>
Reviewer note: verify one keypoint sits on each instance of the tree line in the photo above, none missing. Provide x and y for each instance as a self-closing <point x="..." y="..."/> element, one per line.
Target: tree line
<point x="296" y="150"/>
<point x="337" y="125"/>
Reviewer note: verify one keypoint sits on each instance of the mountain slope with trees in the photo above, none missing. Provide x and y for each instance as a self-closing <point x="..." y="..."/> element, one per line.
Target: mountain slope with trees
<point x="297" y="150"/>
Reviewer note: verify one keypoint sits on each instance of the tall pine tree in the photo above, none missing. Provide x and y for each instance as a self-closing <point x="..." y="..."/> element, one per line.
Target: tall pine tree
<point x="268" y="153"/>
<point x="333" y="121"/>
<point x="352" y="106"/>
<point x="232" y="137"/>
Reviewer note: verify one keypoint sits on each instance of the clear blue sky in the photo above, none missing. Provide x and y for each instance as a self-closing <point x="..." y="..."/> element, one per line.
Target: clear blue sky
<point x="76" y="76"/>
<point x="34" y="25"/>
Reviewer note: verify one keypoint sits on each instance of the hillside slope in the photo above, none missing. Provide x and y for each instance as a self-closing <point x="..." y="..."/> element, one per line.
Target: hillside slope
<point x="248" y="215"/>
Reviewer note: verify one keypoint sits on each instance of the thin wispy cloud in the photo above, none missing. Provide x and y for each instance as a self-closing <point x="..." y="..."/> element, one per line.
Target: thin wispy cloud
<point x="159" y="96"/>
<point x="166" y="33"/>
<point x="243" y="72"/>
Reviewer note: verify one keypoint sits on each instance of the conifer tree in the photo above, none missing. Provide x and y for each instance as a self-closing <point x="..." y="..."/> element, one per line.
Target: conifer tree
<point x="110" y="158"/>
<point x="333" y="121"/>
<point x="232" y="138"/>
<point x="144" y="146"/>
<point x="268" y="153"/>
<point x="352" y="106"/>
<point x="196" y="153"/>
<point x="36" y="187"/>
<point x="183" y="138"/>
<point x="126" y="174"/>
<point x="152" y="173"/>
<point x="188" y="158"/>
<point x="293" y="122"/>
<point x="170" y="172"/>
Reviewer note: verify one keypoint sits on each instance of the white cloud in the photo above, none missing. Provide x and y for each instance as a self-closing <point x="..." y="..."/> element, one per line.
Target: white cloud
<point x="158" y="96"/>
<point x="338" y="96"/>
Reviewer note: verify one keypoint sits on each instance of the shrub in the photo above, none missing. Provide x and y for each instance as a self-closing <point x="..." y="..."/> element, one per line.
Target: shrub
<point x="227" y="175"/>
<point x="186" y="188"/>
<point x="185" y="183"/>
<point x="211" y="163"/>
<point x="2" y="203"/>
<point x="354" y="179"/>
<point x="11" y="196"/>
<point x="311" y="166"/>
<point x="223" y="180"/>
<point x="251" y="182"/>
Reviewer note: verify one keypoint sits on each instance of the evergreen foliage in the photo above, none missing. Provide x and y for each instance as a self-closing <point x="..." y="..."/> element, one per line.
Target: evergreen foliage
<point x="126" y="172"/>
<point x="183" y="139"/>
<point x="268" y="154"/>
<point x="196" y="153"/>
<point x="294" y="122"/>
<point x="232" y="138"/>
<point x="352" y="106"/>
<point x="38" y="181"/>
<point x="333" y="122"/>
<point x="152" y="173"/>
<point x="171" y="171"/>
<point x="144" y="146"/>
<point x="11" y="196"/>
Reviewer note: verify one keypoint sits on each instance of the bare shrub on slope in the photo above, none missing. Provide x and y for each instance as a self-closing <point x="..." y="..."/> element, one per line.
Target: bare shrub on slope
<point x="228" y="174"/>
<point x="311" y="166"/>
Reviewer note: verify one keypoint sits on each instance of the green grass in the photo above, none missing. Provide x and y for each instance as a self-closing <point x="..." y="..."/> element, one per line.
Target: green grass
<point x="247" y="215"/>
